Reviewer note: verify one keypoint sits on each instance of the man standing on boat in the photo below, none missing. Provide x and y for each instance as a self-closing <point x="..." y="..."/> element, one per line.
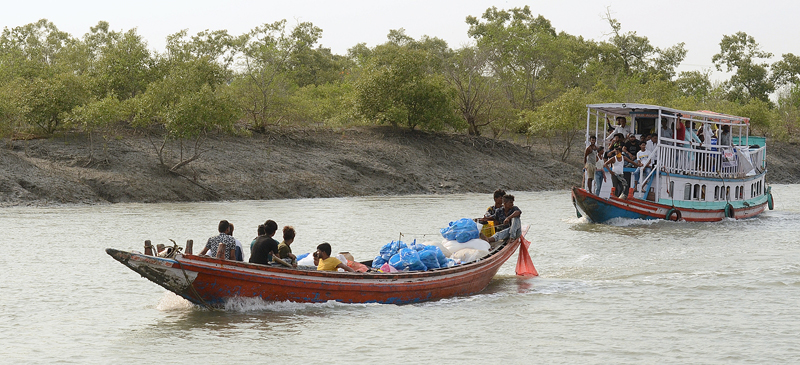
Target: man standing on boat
<point x="621" y="127"/>
<point x="589" y="161"/>
<point x="223" y="245"/>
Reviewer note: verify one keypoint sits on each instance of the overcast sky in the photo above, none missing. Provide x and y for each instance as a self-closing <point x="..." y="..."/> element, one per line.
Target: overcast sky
<point x="699" y="23"/>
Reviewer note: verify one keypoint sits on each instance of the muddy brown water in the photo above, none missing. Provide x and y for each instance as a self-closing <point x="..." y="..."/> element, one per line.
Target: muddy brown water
<point x="629" y="292"/>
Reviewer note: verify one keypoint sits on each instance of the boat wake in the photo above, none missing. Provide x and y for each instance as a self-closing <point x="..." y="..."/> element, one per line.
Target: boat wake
<point x="172" y="302"/>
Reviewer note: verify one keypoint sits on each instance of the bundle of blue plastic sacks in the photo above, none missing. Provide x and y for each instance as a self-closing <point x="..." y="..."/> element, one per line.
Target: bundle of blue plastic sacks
<point x="461" y="230"/>
<point x="411" y="257"/>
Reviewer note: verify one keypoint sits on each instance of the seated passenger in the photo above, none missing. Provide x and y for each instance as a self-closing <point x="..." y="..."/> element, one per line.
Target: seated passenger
<point x="284" y="251"/>
<point x="239" y="249"/>
<point x="265" y="246"/>
<point x="498" y="204"/>
<point x="509" y="218"/>
<point x="223" y="245"/>
<point x="324" y="261"/>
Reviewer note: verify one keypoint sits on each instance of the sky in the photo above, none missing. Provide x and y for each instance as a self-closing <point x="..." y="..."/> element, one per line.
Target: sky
<point x="699" y="23"/>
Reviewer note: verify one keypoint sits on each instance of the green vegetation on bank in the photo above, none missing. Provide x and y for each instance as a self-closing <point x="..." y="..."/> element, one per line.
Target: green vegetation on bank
<point x="519" y="76"/>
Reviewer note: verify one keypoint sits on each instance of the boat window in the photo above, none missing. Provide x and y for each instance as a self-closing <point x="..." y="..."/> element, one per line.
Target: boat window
<point x="703" y="193"/>
<point x="671" y="188"/>
<point x="736" y="193"/>
<point x="696" y="194"/>
<point x="727" y="193"/>
<point x="716" y="193"/>
<point x="741" y="192"/>
<point x="687" y="192"/>
<point x="752" y="190"/>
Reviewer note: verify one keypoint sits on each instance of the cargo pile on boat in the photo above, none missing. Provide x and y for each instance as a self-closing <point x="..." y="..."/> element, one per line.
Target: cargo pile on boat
<point x="460" y="245"/>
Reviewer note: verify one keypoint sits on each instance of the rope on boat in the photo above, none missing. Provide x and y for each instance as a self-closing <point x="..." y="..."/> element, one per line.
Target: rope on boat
<point x="194" y="291"/>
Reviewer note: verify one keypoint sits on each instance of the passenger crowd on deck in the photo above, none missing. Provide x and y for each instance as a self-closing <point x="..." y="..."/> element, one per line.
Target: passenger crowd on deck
<point x="621" y="149"/>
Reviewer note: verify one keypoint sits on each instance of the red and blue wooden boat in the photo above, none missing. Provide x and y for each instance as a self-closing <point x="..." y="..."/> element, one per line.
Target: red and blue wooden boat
<point x="210" y="281"/>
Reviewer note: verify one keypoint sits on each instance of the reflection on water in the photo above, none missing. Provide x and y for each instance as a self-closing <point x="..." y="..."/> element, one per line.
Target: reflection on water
<point x="633" y="292"/>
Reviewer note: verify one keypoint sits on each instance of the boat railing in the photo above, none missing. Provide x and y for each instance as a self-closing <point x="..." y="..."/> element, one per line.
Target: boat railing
<point x="708" y="161"/>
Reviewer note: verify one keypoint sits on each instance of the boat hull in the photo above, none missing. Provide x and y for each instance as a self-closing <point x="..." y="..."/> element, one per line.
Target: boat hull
<point x="601" y="210"/>
<point x="211" y="281"/>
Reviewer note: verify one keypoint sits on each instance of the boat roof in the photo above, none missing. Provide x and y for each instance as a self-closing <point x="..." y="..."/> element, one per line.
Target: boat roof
<point x="625" y="109"/>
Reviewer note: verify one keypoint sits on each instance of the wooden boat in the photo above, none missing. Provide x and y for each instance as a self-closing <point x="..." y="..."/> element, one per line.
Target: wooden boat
<point x="210" y="281"/>
<point x="691" y="180"/>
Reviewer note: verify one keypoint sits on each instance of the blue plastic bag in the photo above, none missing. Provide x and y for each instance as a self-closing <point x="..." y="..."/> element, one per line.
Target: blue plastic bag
<point x="410" y="258"/>
<point x="461" y="230"/>
<point x="440" y="257"/>
<point x="302" y="256"/>
<point x="407" y="259"/>
<point x="428" y="258"/>
<point x="390" y="249"/>
<point x="378" y="262"/>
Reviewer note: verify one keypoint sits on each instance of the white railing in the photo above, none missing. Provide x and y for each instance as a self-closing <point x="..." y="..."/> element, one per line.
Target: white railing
<point x="681" y="159"/>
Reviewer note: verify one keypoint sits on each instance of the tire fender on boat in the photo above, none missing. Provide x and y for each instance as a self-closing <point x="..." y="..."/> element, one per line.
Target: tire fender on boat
<point x="673" y="212"/>
<point x="729" y="212"/>
<point x="770" y="203"/>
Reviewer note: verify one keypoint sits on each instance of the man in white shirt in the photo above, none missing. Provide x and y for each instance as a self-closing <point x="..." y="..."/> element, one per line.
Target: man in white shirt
<point x="621" y="127"/>
<point x="643" y="158"/>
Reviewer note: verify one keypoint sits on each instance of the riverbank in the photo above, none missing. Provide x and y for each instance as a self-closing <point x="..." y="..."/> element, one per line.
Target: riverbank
<point x="310" y="163"/>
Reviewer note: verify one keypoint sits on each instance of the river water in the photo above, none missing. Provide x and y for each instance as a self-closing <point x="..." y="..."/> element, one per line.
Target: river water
<point x="630" y="292"/>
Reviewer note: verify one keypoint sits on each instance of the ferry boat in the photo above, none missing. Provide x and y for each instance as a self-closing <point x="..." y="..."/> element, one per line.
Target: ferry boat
<point x="692" y="179"/>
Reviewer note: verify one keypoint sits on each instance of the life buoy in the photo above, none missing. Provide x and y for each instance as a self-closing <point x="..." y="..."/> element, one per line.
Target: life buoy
<point x="729" y="212"/>
<point x="770" y="203"/>
<point x="673" y="215"/>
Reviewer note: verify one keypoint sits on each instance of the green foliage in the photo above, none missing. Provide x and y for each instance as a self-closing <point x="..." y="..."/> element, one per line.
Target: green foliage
<point x="761" y="115"/>
<point x="559" y="120"/>
<point x="787" y="123"/>
<point x="521" y="47"/>
<point x="329" y="104"/>
<point x="751" y="80"/>
<point x="401" y="86"/>
<point x="121" y="64"/>
<point x="47" y="101"/>
<point x="268" y="79"/>
<point x="787" y="70"/>
<point x="638" y="57"/>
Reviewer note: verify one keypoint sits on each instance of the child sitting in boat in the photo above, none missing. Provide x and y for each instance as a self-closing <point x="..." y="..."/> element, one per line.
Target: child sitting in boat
<point x="284" y="251"/>
<point x="324" y="261"/>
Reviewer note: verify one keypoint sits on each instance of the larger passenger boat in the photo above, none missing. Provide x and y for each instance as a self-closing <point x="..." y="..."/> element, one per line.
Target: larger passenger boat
<point x="693" y="179"/>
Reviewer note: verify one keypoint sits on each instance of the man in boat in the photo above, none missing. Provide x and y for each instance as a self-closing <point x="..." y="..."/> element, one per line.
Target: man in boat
<point x="724" y="138"/>
<point x="644" y="168"/>
<point x="621" y="127"/>
<point x="222" y="245"/>
<point x="509" y="217"/>
<point x="239" y="248"/>
<point x="324" y="261"/>
<point x="589" y="161"/>
<point x="284" y="251"/>
<point x="599" y="171"/>
<point x="498" y="203"/>
<point x="666" y="130"/>
<point x="265" y="246"/>
<point x="617" y="163"/>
